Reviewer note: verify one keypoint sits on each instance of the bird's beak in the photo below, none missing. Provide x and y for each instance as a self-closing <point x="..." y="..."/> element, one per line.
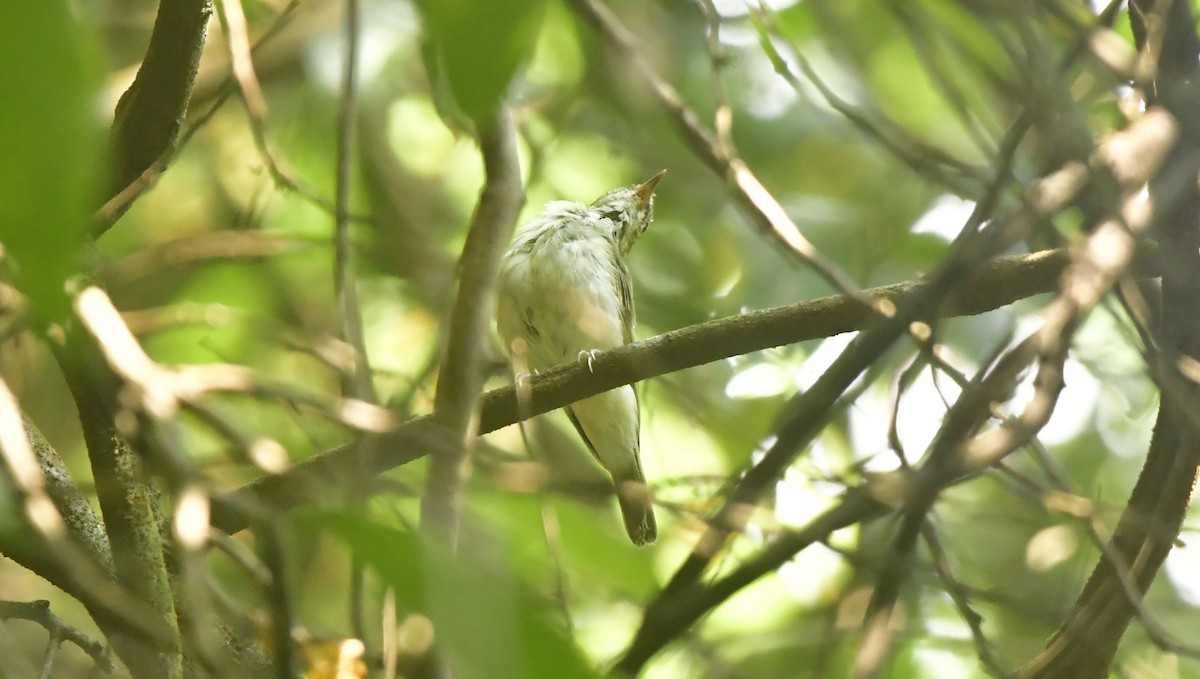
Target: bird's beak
<point x="644" y="191"/>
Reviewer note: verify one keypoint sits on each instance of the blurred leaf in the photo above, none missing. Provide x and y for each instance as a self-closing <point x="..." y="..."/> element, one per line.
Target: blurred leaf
<point x="594" y="546"/>
<point x="46" y="149"/>
<point x="474" y="50"/>
<point x="489" y="624"/>
<point x="239" y="287"/>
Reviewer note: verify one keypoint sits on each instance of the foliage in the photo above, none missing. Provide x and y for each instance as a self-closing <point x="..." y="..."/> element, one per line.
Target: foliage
<point x="892" y="134"/>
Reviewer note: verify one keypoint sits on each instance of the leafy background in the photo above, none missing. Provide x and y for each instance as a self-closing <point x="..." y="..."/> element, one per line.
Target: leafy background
<point x="223" y="262"/>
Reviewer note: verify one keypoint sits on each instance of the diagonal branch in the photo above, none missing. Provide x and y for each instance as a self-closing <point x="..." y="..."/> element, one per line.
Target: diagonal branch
<point x="152" y="111"/>
<point x="124" y="496"/>
<point x="1153" y="134"/>
<point x="123" y="199"/>
<point x="40" y="613"/>
<point x="993" y="285"/>
<point x="754" y="198"/>
<point x="45" y="543"/>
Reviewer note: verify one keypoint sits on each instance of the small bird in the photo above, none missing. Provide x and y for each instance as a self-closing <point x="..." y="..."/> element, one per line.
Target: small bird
<point x="563" y="293"/>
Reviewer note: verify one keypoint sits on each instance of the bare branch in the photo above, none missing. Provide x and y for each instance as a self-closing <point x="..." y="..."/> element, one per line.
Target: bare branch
<point x="126" y="194"/>
<point x="151" y="113"/>
<point x="121" y="484"/>
<point x="962" y="601"/>
<point x="233" y="20"/>
<point x="345" y="287"/>
<point x="1086" y="643"/>
<point x="40" y="613"/>
<point x="85" y="572"/>
<point x="766" y="212"/>
<point x="461" y="376"/>
<point x="990" y="286"/>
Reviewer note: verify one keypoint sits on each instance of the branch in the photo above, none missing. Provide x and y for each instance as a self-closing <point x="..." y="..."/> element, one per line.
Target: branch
<point x="1094" y="268"/>
<point x="345" y="288"/>
<point x="962" y="421"/>
<point x="42" y="543"/>
<point x="461" y="376"/>
<point x="961" y="597"/>
<point x="667" y="619"/>
<point x="925" y="160"/>
<point x="151" y="113"/>
<point x="766" y="212"/>
<point x="83" y="524"/>
<point x="990" y="286"/>
<point x="121" y="488"/>
<point x="40" y="613"/>
<point x="1086" y="643"/>
<point x="116" y="206"/>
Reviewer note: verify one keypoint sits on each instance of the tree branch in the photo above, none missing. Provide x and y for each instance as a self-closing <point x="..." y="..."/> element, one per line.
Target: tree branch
<point x="125" y="502"/>
<point x="766" y="214"/>
<point x="81" y="566"/>
<point x="40" y="613"/>
<point x="992" y="285"/>
<point x="83" y="524"/>
<point x="345" y="287"/>
<point x="152" y="111"/>
<point x="461" y="376"/>
<point x="1086" y="643"/>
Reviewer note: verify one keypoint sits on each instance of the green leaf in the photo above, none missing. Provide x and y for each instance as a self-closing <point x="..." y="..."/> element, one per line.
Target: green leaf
<point x="47" y="149"/>
<point x="488" y="623"/>
<point x="475" y="48"/>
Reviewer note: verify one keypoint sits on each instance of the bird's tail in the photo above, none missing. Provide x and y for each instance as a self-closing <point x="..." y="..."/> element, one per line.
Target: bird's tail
<point x="637" y="509"/>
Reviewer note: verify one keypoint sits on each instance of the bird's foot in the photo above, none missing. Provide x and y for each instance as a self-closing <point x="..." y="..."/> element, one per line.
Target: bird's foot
<point x="589" y="357"/>
<point x="524" y="378"/>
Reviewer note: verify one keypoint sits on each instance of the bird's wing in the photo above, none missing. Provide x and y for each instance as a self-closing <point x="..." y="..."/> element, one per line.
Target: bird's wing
<point x="628" y="319"/>
<point x="625" y="294"/>
<point x="616" y="448"/>
<point x="582" y="434"/>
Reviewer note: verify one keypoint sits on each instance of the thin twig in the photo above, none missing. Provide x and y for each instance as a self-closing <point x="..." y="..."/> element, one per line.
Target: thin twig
<point x="718" y="60"/>
<point x="923" y="159"/>
<point x="768" y="215"/>
<point x="345" y="287"/>
<point x="123" y="199"/>
<point x="233" y="20"/>
<point x="360" y="383"/>
<point x="40" y="613"/>
<point x="961" y="597"/>
<point x="924" y="39"/>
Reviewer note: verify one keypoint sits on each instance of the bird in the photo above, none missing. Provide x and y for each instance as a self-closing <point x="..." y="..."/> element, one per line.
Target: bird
<point x="563" y="293"/>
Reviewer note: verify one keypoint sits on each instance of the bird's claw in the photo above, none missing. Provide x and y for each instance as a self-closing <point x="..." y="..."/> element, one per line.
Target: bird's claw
<point x="524" y="378"/>
<point x="588" y="357"/>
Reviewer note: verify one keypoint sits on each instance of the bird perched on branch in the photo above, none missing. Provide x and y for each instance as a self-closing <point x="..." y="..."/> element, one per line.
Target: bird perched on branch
<point x="564" y="292"/>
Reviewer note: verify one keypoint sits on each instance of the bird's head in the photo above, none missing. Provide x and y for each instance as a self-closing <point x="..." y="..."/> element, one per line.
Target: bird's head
<point x="630" y="209"/>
